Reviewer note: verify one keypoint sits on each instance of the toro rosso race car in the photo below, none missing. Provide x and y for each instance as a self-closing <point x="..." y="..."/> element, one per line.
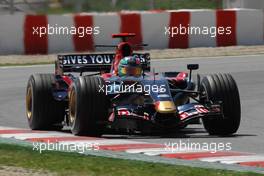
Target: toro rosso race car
<point x="95" y="94"/>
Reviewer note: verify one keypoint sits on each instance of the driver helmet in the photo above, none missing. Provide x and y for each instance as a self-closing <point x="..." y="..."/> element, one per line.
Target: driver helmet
<point x="130" y="66"/>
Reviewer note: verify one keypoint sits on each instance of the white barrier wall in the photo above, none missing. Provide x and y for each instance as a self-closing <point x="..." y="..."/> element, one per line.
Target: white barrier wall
<point x="109" y="24"/>
<point x="250" y="27"/>
<point x="17" y="34"/>
<point x="200" y="19"/>
<point x="249" y="4"/>
<point x="11" y="34"/>
<point x="153" y="31"/>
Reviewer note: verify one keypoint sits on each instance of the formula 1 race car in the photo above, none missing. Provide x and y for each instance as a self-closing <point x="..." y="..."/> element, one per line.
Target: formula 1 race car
<point x="97" y="100"/>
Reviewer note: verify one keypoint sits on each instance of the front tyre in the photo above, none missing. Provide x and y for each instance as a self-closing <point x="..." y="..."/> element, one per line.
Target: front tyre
<point x="42" y="110"/>
<point x="87" y="106"/>
<point x="222" y="87"/>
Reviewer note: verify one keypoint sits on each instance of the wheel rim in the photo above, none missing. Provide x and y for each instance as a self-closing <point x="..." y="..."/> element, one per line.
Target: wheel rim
<point x="29" y="103"/>
<point x="204" y="94"/>
<point x="72" y="106"/>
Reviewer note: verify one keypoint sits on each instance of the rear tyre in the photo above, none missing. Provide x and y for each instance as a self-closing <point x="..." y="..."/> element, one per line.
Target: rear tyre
<point x="222" y="87"/>
<point x="87" y="106"/>
<point x="42" y="110"/>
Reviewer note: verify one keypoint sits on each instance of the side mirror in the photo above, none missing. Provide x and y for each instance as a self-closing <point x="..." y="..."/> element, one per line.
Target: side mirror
<point x="193" y="66"/>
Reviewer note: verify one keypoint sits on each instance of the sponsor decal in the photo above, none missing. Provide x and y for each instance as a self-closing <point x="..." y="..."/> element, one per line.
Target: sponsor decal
<point x="86" y="59"/>
<point x="126" y="112"/>
<point x="183" y="115"/>
<point x="123" y="111"/>
<point x="95" y="59"/>
<point x="201" y="109"/>
<point x="198" y="109"/>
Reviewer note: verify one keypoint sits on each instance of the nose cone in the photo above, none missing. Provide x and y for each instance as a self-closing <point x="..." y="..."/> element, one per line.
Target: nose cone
<point x="165" y="107"/>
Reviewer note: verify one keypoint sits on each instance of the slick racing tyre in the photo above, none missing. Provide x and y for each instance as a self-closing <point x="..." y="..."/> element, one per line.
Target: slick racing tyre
<point x="87" y="106"/>
<point x="223" y="88"/>
<point x="42" y="110"/>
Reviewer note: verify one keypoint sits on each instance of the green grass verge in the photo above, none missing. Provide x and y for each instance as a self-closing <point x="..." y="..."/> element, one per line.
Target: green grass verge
<point x="105" y="5"/>
<point x="76" y="164"/>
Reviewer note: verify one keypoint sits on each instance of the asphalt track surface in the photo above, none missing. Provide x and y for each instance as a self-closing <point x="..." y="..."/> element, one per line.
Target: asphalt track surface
<point x="248" y="71"/>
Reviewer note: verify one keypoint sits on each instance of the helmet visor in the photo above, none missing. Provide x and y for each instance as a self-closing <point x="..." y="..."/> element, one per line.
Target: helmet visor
<point x="131" y="71"/>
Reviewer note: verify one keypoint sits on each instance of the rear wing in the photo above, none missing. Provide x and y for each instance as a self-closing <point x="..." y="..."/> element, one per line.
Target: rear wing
<point x="93" y="62"/>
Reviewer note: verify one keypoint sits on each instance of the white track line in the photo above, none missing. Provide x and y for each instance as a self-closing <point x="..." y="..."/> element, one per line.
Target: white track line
<point x="26" y="66"/>
<point x="101" y="142"/>
<point x="10" y="128"/>
<point x="155" y="153"/>
<point x="234" y="159"/>
<point x="143" y="150"/>
<point x="24" y="136"/>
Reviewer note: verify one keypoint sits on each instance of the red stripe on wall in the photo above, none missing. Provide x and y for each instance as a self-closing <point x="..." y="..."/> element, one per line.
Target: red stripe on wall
<point x="33" y="43"/>
<point x="226" y="18"/>
<point x="177" y="20"/>
<point x="131" y="23"/>
<point x="83" y="43"/>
